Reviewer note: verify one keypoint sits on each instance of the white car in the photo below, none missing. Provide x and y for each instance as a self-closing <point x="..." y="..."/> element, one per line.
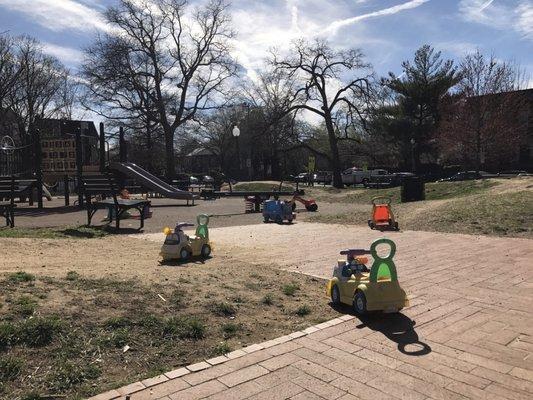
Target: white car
<point x="356" y="176"/>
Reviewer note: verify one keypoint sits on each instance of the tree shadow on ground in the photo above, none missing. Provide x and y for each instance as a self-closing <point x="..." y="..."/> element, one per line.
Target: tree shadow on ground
<point x="397" y="327"/>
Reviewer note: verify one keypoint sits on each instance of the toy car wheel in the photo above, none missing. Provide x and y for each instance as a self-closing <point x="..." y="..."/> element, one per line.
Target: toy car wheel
<point x="206" y="251"/>
<point x="279" y="220"/>
<point x="312" y="207"/>
<point x="266" y="219"/>
<point x="335" y="295"/>
<point x="184" y="254"/>
<point x="396" y="226"/>
<point x="371" y="224"/>
<point x="359" y="303"/>
<point x="289" y="220"/>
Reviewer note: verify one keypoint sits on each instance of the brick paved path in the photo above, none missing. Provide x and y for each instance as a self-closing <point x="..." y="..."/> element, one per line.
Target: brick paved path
<point x="467" y="334"/>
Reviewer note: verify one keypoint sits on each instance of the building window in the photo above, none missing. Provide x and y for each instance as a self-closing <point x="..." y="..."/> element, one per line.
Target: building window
<point x="71" y="154"/>
<point x="45" y="155"/>
<point x="67" y="143"/>
<point x="72" y="165"/>
<point x="62" y="154"/>
<point x="45" y="144"/>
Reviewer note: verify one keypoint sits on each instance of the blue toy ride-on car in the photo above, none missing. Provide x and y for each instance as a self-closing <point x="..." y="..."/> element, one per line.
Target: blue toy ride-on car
<point x="278" y="211"/>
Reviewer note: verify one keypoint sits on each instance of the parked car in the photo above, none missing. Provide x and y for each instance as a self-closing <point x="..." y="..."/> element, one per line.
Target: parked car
<point x="302" y="177"/>
<point x="356" y="176"/>
<point x="323" y="177"/>
<point x="510" y="173"/>
<point x="390" y="180"/>
<point x="464" y="176"/>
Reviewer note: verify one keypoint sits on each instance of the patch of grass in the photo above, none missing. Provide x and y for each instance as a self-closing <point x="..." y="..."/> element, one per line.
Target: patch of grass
<point x="18" y="277"/>
<point x="72" y="276"/>
<point x="24" y="306"/>
<point x="8" y="334"/>
<point x="290" y="289"/>
<point x="268" y="299"/>
<point x="449" y="190"/>
<point x="80" y="232"/>
<point x="33" y="396"/>
<point x="177" y="298"/>
<point x="224" y="308"/>
<point x="302" y="311"/>
<point x="503" y="214"/>
<point x="69" y="374"/>
<point x="222" y="348"/>
<point x="230" y="330"/>
<point x="118" y="338"/>
<point x="261" y="186"/>
<point x="184" y="328"/>
<point x="36" y="332"/>
<point x="10" y="368"/>
<point x="117" y="322"/>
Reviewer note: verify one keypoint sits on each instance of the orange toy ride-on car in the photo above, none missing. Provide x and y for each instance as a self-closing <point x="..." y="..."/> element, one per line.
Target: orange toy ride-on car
<point x="382" y="216"/>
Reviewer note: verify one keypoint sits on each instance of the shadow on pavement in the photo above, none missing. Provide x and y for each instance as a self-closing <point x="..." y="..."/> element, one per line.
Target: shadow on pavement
<point x="397" y="327"/>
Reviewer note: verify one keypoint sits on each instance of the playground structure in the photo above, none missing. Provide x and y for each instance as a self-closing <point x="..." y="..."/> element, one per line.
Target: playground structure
<point x="62" y="160"/>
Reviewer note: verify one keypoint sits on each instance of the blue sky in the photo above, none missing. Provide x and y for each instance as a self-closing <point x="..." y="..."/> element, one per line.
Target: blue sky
<point x="388" y="31"/>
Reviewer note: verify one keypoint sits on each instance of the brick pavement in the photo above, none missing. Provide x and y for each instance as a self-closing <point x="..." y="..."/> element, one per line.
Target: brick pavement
<point x="467" y="334"/>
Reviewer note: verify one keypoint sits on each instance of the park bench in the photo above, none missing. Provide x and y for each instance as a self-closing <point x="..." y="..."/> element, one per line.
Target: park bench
<point x="101" y="193"/>
<point x="8" y="190"/>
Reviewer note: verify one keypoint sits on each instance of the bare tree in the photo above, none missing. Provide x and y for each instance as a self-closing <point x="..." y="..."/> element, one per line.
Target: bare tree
<point x="10" y="69"/>
<point x="164" y="61"/>
<point x="328" y="81"/>
<point x="483" y="120"/>
<point x="40" y="88"/>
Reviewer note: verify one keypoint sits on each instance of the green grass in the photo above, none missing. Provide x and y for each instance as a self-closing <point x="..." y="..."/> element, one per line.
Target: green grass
<point x="80" y="232"/>
<point x="302" y="311"/>
<point x="268" y="299"/>
<point x="24" y="306"/>
<point x="434" y="191"/>
<point x="224" y="309"/>
<point x="499" y="214"/>
<point x="290" y="289"/>
<point x="221" y="348"/>
<point x="261" y="187"/>
<point x="450" y="190"/>
<point x="10" y="368"/>
<point x="230" y="330"/>
<point x="484" y="212"/>
<point x="72" y="276"/>
<point x="19" y="277"/>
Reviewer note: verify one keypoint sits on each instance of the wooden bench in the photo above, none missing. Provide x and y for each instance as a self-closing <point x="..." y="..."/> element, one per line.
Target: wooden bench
<point x="8" y="190"/>
<point x="106" y="187"/>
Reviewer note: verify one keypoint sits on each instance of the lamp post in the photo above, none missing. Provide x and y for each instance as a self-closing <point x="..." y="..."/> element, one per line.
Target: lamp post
<point x="236" y="133"/>
<point x="413" y="164"/>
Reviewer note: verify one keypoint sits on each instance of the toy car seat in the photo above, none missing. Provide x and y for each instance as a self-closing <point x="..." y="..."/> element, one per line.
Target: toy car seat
<point x="382" y="216"/>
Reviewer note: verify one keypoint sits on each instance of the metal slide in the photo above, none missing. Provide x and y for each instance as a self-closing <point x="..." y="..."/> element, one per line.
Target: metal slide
<point x="149" y="181"/>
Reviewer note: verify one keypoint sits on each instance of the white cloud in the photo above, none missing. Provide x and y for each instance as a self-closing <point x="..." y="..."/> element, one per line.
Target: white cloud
<point x="457" y="48"/>
<point x="336" y="25"/>
<point x="58" y="15"/>
<point x="67" y="55"/>
<point x="517" y="16"/>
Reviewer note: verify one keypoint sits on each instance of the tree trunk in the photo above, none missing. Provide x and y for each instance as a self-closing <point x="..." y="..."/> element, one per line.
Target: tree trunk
<point x="335" y="161"/>
<point x="169" y="152"/>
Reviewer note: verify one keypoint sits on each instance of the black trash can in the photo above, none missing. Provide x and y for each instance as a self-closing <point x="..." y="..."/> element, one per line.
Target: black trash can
<point x="413" y="189"/>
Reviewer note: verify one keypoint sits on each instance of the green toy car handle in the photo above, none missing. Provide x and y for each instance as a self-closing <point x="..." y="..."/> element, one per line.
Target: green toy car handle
<point x="383" y="266"/>
<point x="386" y="198"/>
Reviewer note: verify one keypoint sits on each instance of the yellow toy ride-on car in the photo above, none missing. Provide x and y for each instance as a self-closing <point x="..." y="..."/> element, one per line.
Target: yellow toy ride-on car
<point x="179" y="246"/>
<point x="366" y="290"/>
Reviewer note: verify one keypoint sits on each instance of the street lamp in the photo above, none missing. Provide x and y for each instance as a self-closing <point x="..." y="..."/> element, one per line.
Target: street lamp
<point x="236" y="133"/>
<point x="413" y="166"/>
